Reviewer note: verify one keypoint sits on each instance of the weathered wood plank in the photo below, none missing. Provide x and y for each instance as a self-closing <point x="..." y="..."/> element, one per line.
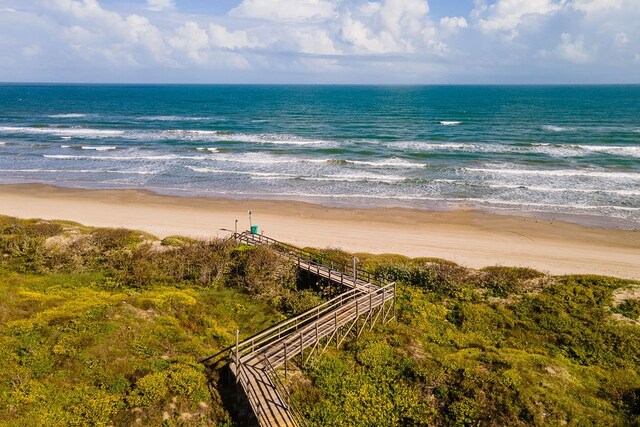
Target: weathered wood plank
<point x="262" y="354"/>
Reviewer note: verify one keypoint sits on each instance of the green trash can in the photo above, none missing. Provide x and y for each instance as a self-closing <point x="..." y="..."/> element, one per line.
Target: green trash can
<point x="254" y="229"/>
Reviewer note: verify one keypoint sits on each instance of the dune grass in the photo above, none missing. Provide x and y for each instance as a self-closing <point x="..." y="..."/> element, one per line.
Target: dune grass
<point x="106" y="327"/>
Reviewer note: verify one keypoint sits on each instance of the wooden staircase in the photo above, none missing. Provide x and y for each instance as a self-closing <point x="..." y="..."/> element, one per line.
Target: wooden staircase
<point x="255" y="361"/>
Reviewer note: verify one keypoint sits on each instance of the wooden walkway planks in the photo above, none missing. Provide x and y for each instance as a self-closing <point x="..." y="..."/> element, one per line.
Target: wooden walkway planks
<point x="255" y="360"/>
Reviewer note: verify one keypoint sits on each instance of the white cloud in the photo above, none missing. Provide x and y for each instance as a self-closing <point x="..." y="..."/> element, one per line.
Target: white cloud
<point x="340" y="40"/>
<point x="285" y="10"/>
<point x="453" y="23"/>
<point x="508" y="15"/>
<point x="388" y="26"/>
<point x="590" y="6"/>
<point x="192" y="41"/>
<point x="31" y="51"/>
<point x="223" y="38"/>
<point x="621" y="39"/>
<point x="315" y="41"/>
<point x="160" y="5"/>
<point x="572" y="49"/>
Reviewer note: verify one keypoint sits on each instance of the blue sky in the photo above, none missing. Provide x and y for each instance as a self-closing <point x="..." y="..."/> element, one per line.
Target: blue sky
<point x="321" y="41"/>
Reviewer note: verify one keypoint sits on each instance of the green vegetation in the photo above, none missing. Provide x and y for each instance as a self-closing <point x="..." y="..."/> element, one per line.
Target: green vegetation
<point x="499" y="346"/>
<point x="106" y="327"/>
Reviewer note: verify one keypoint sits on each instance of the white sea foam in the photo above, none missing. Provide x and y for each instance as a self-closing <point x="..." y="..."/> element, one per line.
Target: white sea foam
<point x="255" y="159"/>
<point x="553" y="150"/>
<point x="558" y="173"/>
<point x="213" y="135"/>
<point x="66" y="138"/>
<point x="67" y="116"/>
<point x="355" y="177"/>
<point x="598" y="208"/>
<point x="210" y="149"/>
<point x="252" y="174"/>
<point x="176" y="118"/>
<point x="83" y="132"/>
<point x="432" y="146"/>
<point x="123" y="157"/>
<point x="213" y="170"/>
<point x="128" y="172"/>
<point x="549" y="189"/>
<point x="97" y="148"/>
<point x="65" y="146"/>
<point x="392" y="163"/>
<point x="449" y="123"/>
<point x="553" y="128"/>
<point x="613" y="149"/>
<point x="3" y="143"/>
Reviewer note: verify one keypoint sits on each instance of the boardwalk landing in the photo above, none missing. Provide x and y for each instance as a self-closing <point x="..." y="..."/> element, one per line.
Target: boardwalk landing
<point x="255" y="360"/>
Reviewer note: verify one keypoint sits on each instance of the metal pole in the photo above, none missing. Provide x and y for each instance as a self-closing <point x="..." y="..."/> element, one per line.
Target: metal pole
<point x="236" y="227"/>
<point x="250" y="223"/>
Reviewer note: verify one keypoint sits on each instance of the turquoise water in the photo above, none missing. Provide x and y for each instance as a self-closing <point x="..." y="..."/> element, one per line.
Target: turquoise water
<point x="546" y="150"/>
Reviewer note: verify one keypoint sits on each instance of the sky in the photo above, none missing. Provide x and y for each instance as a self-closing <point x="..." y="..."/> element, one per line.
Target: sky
<point x="321" y="41"/>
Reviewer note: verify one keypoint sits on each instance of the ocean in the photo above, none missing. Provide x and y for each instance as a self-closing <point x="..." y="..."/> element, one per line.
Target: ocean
<point x="551" y="151"/>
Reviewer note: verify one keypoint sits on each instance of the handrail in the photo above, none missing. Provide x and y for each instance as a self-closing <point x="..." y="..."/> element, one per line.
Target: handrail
<point x="328" y="317"/>
<point x="301" y="253"/>
<point x="284" y="393"/>
<point x="244" y="381"/>
<point x="314" y="312"/>
<point x="266" y="336"/>
<point x="274" y="335"/>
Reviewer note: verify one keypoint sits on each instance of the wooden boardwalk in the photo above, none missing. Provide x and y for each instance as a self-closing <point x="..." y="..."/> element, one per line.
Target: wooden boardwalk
<point x="255" y="361"/>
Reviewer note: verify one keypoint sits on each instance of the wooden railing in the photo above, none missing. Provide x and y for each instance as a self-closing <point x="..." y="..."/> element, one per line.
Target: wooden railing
<point x="311" y="258"/>
<point x="255" y="360"/>
<point x="355" y="302"/>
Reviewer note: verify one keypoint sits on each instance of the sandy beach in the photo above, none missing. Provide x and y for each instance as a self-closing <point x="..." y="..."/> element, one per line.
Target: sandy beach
<point x="470" y="238"/>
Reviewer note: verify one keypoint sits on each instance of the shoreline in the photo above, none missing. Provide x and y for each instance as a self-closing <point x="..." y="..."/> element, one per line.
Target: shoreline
<point x="469" y="237"/>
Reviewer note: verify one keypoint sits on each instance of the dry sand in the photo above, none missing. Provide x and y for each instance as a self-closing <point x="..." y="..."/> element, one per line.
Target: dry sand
<point x="470" y="238"/>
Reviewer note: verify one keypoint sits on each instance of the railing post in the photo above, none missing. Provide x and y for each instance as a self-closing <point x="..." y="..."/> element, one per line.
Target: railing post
<point x="335" y="321"/>
<point x="286" y="356"/>
<point x="395" y="296"/>
<point x="355" y="272"/>
<point x="384" y="302"/>
<point x="237" y="357"/>
<point x="301" y="349"/>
